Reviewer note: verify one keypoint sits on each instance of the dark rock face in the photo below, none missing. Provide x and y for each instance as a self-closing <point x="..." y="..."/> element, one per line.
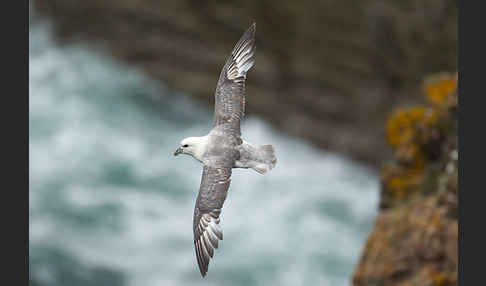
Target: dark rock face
<point x="415" y="238"/>
<point x="415" y="244"/>
<point x="329" y="71"/>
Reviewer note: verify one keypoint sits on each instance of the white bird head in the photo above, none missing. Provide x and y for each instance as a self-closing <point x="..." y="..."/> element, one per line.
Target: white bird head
<point x="194" y="146"/>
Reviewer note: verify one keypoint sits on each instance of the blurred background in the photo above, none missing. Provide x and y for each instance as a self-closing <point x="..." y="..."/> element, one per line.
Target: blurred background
<point x="115" y="85"/>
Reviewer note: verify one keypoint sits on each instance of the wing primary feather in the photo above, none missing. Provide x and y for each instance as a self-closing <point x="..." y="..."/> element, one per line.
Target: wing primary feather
<point x="204" y="249"/>
<point x="248" y="35"/>
<point x="217" y="230"/>
<point x="199" y="259"/>
<point x="242" y="54"/>
<point x="207" y="244"/>
<point x="212" y="238"/>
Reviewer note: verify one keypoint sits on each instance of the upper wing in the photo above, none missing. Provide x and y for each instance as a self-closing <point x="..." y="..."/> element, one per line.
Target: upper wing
<point x="212" y="194"/>
<point x="229" y="104"/>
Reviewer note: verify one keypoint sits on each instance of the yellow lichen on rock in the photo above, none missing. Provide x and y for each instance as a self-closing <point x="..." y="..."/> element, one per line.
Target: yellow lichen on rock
<point x="414" y="241"/>
<point x="414" y="133"/>
<point x="408" y="129"/>
<point x="402" y="181"/>
<point x="440" y="87"/>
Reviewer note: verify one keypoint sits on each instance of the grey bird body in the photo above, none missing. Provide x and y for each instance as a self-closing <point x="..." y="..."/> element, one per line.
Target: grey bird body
<point x="223" y="149"/>
<point x="223" y="145"/>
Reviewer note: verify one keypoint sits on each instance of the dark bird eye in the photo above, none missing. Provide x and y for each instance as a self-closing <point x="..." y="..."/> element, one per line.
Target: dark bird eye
<point x="185" y="145"/>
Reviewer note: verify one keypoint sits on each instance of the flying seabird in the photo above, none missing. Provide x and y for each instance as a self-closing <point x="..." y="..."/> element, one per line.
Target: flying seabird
<point x="223" y="149"/>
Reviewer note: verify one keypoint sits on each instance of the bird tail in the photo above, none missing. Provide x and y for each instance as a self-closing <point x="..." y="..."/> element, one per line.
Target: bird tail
<point x="267" y="159"/>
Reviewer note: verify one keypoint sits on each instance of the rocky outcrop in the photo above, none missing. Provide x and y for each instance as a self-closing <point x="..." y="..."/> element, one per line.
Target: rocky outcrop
<point x="415" y="238"/>
<point x="329" y="71"/>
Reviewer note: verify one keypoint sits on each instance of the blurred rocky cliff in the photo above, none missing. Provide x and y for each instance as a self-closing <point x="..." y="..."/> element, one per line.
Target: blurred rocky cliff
<point x="415" y="238"/>
<point x="329" y="71"/>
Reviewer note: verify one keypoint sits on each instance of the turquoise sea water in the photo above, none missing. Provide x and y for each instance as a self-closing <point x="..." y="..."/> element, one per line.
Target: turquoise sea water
<point x="111" y="205"/>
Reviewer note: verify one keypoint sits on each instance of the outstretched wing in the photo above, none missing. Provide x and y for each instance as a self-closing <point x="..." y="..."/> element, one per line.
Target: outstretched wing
<point x="229" y="104"/>
<point x="212" y="194"/>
